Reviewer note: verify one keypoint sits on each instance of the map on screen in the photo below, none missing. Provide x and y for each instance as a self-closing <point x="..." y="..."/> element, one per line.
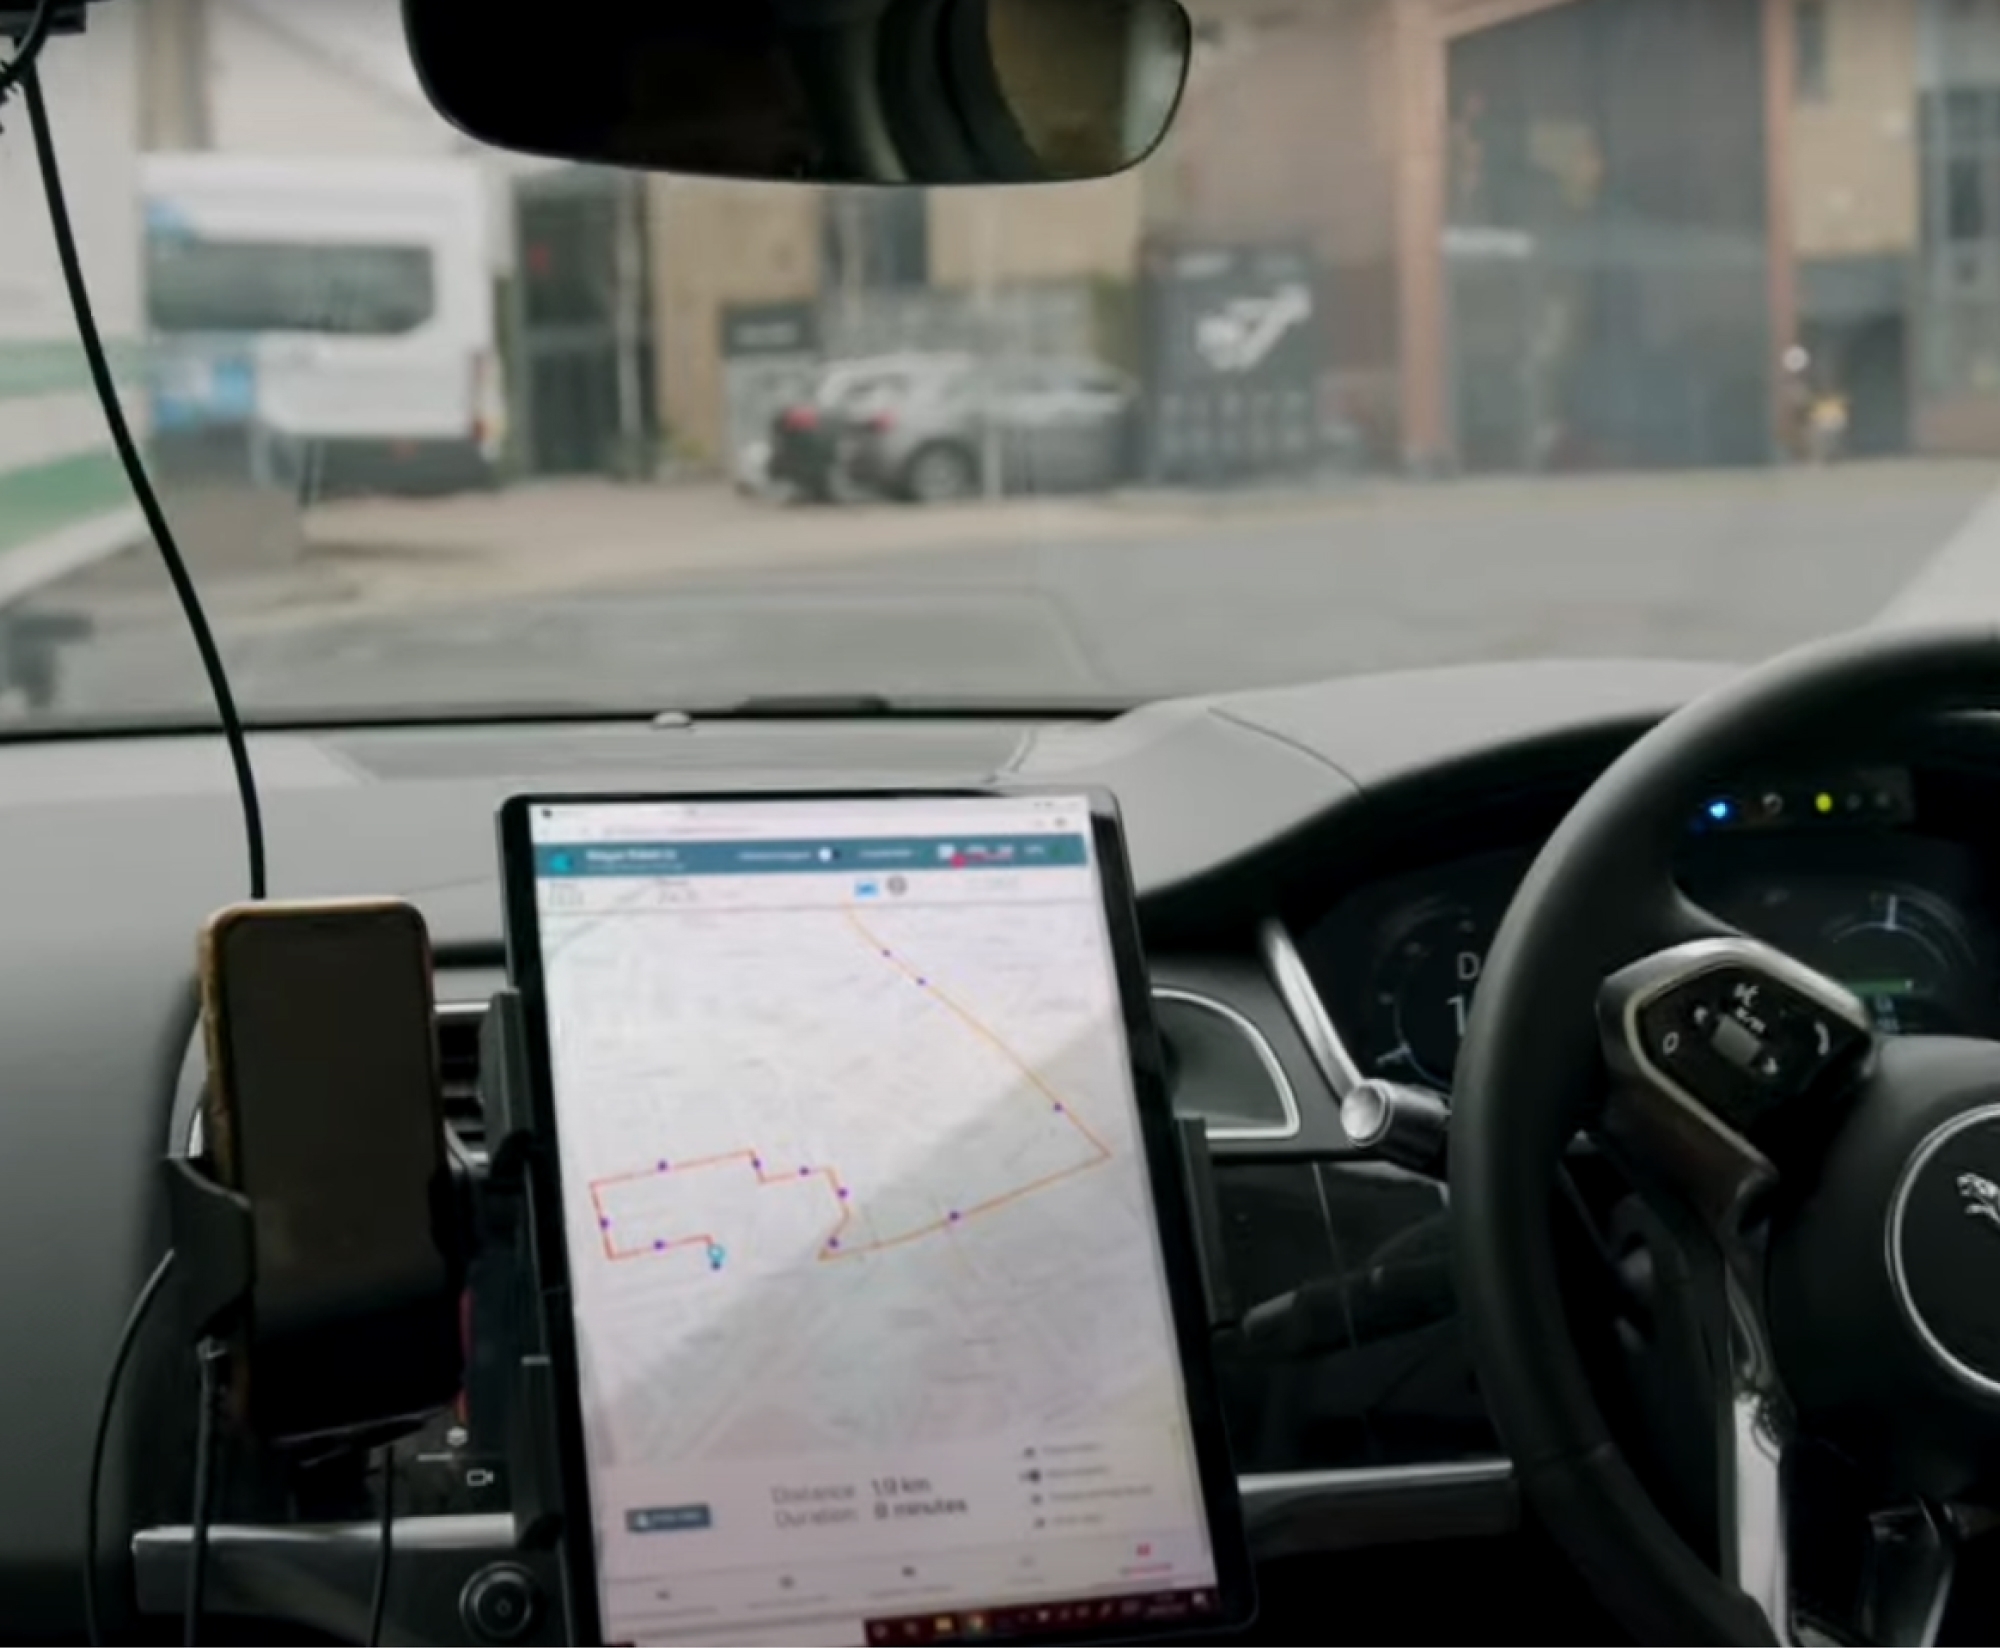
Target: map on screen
<point x="870" y="1308"/>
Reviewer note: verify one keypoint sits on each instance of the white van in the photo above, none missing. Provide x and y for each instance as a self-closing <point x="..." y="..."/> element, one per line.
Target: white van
<point x="336" y="314"/>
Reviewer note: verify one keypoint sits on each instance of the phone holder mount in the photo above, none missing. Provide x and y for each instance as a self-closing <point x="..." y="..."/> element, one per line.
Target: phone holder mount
<point x="470" y="1578"/>
<point x="504" y="1099"/>
<point x="347" y="1384"/>
<point x="215" y="1247"/>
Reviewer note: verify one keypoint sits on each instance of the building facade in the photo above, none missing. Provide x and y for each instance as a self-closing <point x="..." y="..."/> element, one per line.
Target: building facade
<point x="1536" y="251"/>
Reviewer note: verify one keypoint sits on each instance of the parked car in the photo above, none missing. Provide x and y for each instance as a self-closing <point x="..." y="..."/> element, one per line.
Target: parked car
<point x="923" y="427"/>
<point x="927" y="433"/>
<point x="808" y="437"/>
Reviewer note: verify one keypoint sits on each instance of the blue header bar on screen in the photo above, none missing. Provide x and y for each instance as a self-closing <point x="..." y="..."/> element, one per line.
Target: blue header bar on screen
<point x="836" y="855"/>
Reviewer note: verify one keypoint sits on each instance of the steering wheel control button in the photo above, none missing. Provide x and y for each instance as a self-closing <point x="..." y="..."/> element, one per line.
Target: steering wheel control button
<point x="501" y="1603"/>
<point x="1944" y="1247"/>
<point x="1736" y="1027"/>
<point x="1738" y="1044"/>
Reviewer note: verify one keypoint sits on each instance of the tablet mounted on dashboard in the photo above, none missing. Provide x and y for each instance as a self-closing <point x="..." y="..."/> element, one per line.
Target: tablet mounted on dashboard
<point x="870" y="1275"/>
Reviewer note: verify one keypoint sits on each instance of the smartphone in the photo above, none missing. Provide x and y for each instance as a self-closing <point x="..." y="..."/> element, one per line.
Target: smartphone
<point x="323" y="1109"/>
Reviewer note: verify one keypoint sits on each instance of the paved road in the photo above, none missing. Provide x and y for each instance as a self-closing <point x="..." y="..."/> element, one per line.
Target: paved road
<point x="641" y="599"/>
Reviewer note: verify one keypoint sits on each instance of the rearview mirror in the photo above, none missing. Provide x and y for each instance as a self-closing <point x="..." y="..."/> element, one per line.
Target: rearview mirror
<point x="823" y="91"/>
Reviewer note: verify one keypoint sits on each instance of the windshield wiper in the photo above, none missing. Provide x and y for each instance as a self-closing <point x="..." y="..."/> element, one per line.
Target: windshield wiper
<point x="878" y="706"/>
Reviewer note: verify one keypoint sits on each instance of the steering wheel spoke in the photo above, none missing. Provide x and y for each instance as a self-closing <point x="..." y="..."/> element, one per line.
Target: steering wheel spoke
<point x="1754" y="1488"/>
<point x="1717" y="1046"/>
<point x="1903" y="1585"/>
<point x="1912" y="1560"/>
<point x="1910" y="1550"/>
<point x="1728" y="1056"/>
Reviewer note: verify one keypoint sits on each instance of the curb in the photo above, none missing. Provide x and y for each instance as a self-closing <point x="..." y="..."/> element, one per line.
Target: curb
<point x="32" y="566"/>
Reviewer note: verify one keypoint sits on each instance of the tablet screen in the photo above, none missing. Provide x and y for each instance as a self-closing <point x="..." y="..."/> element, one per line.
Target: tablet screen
<point x="872" y="1325"/>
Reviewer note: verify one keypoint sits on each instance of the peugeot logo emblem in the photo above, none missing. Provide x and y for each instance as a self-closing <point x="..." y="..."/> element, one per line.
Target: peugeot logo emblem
<point x="1981" y="1198"/>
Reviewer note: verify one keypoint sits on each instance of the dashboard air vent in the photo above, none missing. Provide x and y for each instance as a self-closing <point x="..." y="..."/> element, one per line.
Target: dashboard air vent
<point x="458" y="1024"/>
<point x="1221" y="1069"/>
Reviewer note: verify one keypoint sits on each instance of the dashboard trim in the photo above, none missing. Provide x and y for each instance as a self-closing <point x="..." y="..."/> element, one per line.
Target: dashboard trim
<point x="1267" y="1055"/>
<point x="1309" y="1513"/>
<point x="463" y="1011"/>
<point x="1366" y="1479"/>
<point x="1302" y="1000"/>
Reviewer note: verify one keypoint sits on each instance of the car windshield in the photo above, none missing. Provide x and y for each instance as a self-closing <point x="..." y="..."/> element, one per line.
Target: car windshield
<point x="1436" y="332"/>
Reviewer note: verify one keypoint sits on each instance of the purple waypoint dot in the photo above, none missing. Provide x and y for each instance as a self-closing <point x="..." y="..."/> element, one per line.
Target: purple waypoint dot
<point x="953" y="1215"/>
<point x="663" y="1167"/>
<point x="923" y="984"/>
<point x="659" y="1247"/>
<point x="804" y="1171"/>
<point x="757" y="1162"/>
<point x="891" y="954"/>
<point x="833" y="1241"/>
<point x="843" y="1193"/>
<point x="1059" y="1110"/>
<point x="603" y="1224"/>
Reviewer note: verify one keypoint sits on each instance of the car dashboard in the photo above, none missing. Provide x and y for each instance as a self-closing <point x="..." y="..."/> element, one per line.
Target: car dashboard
<point x="1320" y="872"/>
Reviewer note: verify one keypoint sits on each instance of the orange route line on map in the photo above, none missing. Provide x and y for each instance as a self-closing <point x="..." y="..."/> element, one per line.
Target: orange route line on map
<point x="834" y="1248"/>
<point x="972" y="1023"/>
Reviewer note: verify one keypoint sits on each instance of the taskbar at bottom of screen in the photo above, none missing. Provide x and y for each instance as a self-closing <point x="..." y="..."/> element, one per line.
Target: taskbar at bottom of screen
<point x="1080" y="1616"/>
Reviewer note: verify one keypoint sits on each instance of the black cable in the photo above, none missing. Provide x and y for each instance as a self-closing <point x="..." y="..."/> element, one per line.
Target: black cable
<point x="128" y="1336"/>
<point x="135" y="474"/>
<point x="378" y="1606"/>
<point x="207" y="1442"/>
<point x="27" y="47"/>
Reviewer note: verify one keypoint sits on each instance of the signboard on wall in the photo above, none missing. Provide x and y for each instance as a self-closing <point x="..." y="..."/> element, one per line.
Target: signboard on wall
<point x="1234" y="355"/>
<point x="753" y="330"/>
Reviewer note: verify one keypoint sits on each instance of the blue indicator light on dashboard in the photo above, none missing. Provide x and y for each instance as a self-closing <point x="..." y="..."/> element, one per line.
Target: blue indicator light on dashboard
<point x="1721" y="811"/>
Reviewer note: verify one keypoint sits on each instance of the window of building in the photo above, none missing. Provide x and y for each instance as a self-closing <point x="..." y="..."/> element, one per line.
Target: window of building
<point x="877" y="239"/>
<point x="1810" y="50"/>
<point x="1959" y="350"/>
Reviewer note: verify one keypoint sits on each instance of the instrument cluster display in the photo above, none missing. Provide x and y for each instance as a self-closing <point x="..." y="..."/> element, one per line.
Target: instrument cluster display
<point x="1901" y="920"/>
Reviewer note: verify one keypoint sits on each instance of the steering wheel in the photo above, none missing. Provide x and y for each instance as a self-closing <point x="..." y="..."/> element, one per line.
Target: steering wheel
<point x="1832" y="1194"/>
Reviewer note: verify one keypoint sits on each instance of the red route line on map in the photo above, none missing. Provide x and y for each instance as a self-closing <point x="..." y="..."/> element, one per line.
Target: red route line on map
<point x="833" y="1247"/>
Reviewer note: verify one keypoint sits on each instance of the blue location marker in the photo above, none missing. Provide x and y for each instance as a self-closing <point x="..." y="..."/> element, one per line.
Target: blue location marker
<point x="715" y="1256"/>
